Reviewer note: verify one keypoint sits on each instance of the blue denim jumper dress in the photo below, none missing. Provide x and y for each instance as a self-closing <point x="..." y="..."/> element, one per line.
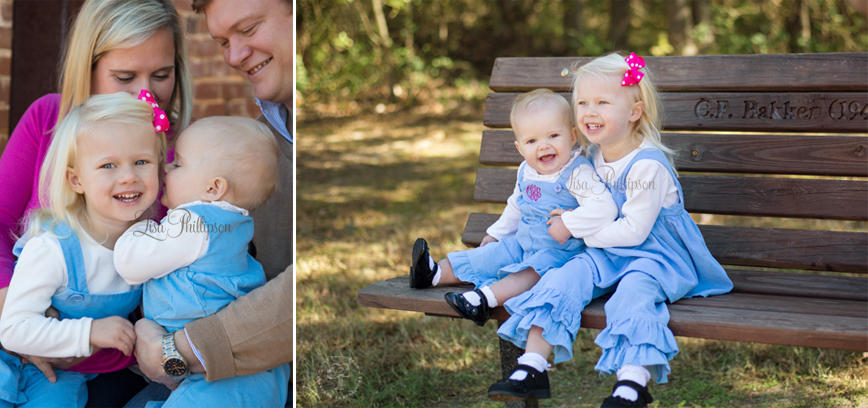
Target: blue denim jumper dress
<point x="531" y="246"/>
<point x="25" y="385"/>
<point x="672" y="263"/>
<point x="225" y="272"/>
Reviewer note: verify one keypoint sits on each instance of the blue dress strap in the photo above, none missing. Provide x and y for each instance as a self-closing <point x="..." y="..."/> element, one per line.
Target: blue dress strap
<point x="658" y="156"/>
<point x="73" y="257"/>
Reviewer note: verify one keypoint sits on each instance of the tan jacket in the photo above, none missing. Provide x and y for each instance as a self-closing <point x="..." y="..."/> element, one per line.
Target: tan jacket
<point x="254" y="332"/>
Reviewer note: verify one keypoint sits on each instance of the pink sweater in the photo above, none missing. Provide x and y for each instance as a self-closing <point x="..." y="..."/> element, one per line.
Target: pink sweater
<point x="19" y="183"/>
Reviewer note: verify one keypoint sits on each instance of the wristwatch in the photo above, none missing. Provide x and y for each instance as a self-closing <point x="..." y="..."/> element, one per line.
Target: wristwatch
<point x="174" y="363"/>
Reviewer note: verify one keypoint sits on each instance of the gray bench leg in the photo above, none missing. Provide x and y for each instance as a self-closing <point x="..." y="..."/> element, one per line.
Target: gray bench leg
<point x="509" y="353"/>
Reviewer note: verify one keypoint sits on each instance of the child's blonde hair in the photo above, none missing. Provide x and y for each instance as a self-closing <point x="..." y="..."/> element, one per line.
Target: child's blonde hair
<point x="248" y="148"/>
<point x="105" y="25"/>
<point x="60" y="204"/>
<point x="648" y="126"/>
<point x="531" y="100"/>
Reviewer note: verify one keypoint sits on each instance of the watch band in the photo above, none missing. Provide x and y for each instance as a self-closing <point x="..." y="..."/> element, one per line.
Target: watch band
<point x="174" y="364"/>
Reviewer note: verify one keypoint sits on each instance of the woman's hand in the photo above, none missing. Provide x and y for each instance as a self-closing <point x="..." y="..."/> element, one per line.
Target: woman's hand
<point x="557" y="229"/>
<point x="487" y="240"/>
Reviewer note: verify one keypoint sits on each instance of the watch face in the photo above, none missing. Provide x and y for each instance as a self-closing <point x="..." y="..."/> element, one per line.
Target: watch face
<point x="174" y="367"/>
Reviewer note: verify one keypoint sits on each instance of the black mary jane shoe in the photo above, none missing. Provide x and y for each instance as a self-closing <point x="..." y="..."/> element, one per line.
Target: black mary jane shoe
<point x="421" y="274"/>
<point x="476" y="314"/>
<point x="535" y="385"/>
<point x="618" y="402"/>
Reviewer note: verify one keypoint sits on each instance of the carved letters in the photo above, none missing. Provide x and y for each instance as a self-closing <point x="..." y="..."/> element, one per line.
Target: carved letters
<point x="838" y="109"/>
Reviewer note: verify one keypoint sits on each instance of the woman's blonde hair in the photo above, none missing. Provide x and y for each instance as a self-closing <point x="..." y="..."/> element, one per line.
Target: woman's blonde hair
<point x="60" y="204"/>
<point x="648" y="126"/>
<point x="105" y="25"/>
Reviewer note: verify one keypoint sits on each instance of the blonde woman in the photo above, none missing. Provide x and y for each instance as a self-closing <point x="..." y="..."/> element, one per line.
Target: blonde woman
<point x="113" y="46"/>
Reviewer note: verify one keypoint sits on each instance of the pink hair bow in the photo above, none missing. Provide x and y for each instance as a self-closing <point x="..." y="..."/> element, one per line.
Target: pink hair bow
<point x="161" y="122"/>
<point x="633" y="76"/>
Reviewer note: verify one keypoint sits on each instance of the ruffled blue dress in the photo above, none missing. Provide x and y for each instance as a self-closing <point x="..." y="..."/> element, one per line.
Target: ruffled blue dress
<point x="531" y="246"/>
<point x="672" y="263"/>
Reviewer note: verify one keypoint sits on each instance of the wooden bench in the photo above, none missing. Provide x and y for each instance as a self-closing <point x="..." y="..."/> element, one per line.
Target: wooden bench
<point x="782" y="136"/>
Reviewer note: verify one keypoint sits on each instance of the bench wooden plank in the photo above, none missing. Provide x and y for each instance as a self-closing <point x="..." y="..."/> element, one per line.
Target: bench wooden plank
<point x="806" y="285"/>
<point x="731" y="153"/>
<point x="832" y="251"/>
<point x="782" y="72"/>
<point x="756" y="196"/>
<point x="729" y="111"/>
<point x="725" y="317"/>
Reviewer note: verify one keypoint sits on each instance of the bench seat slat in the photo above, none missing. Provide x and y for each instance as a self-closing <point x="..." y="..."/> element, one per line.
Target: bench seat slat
<point x="738" y="111"/>
<point x="731" y="153"/>
<point x="761" y="319"/>
<point x="756" y="196"/>
<point x="759" y="247"/>
<point x="782" y="72"/>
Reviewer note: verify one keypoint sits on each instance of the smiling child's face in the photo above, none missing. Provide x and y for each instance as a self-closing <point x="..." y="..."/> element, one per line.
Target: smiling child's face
<point x="545" y="137"/>
<point x="116" y="168"/>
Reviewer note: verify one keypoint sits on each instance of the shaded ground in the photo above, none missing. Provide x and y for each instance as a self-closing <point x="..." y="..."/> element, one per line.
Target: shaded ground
<point x="368" y="186"/>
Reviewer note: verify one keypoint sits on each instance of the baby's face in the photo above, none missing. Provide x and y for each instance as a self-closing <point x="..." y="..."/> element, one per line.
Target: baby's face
<point x="189" y="176"/>
<point x="545" y="138"/>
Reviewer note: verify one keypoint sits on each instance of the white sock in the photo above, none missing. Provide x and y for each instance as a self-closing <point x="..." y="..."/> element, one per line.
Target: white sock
<point x="489" y="296"/>
<point x="637" y="374"/>
<point x="432" y="265"/>
<point x="535" y="360"/>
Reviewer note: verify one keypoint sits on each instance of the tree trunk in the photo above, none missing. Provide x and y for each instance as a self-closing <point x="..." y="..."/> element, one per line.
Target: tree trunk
<point x="680" y="20"/>
<point x="702" y="17"/>
<point x="572" y="23"/>
<point x="619" y="24"/>
<point x="386" y="46"/>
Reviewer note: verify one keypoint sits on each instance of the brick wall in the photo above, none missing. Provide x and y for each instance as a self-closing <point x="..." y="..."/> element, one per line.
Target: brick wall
<point x="5" y="67"/>
<point x="218" y="89"/>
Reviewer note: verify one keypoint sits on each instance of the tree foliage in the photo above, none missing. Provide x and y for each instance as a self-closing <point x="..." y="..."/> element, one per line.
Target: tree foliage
<point x="395" y="50"/>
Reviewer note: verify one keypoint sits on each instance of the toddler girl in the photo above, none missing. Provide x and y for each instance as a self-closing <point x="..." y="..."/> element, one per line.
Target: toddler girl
<point x="195" y="261"/>
<point x="100" y="175"/>
<point x="525" y="242"/>
<point x="651" y="254"/>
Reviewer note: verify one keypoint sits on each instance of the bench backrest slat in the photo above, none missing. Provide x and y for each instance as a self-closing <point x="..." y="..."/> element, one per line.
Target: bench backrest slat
<point x="756" y="196"/>
<point x="835" y="112"/>
<point x="754" y="73"/>
<point x="731" y="153"/>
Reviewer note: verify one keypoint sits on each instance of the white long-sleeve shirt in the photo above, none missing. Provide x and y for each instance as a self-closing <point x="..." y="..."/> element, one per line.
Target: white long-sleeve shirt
<point x="41" y="273"/>
<point x="596" y="206"/>
<point x="650" y="188"/>
<point x="148" y="250"/>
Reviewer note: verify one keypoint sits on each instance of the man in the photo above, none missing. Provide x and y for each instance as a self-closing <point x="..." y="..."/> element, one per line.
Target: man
<point x="253" y="333"/>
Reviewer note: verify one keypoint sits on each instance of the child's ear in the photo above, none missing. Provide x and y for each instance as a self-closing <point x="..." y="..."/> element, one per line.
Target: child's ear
<point x="74" y="182"/>
<point x="575" y="134"/>
<point x="638" y="109"/>
<point x="517" y="147"/>
<point x="217" y="189"/>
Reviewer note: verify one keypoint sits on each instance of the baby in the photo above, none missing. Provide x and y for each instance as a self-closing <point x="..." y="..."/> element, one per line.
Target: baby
<point x="195" y="261"/>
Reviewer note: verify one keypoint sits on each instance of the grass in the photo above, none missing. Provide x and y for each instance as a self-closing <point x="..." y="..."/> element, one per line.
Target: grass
<point x="368" y="186"/>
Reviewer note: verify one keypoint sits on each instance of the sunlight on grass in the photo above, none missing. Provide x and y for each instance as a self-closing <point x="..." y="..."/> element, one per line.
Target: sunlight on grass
<point x="368" y="187"/>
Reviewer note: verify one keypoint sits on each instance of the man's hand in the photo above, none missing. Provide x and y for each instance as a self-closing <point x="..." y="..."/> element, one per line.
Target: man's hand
<point x="557" y="229"/>
<point x="487" y="240"/>
<point x="113" y="332"/>
<point x="149" y="352"/>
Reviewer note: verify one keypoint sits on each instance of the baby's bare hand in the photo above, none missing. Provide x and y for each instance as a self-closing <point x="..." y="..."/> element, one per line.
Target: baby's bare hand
<point x="558" y="230"/>
<point x="557" y="211"/>
<point x="487" y="240"/>
<point x="113" y="332"/>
